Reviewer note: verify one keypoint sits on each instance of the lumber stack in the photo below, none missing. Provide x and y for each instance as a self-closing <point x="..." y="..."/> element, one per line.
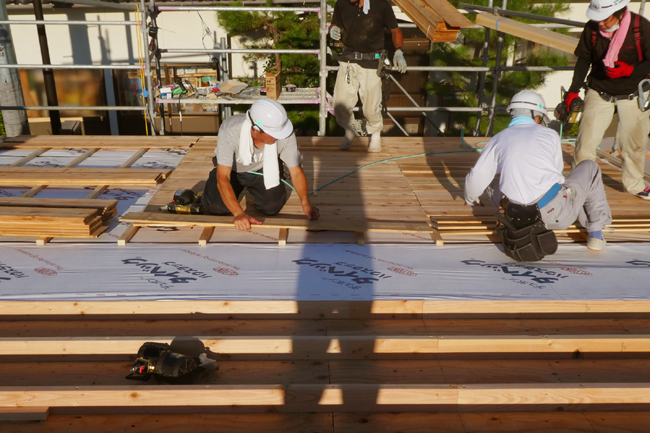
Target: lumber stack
<point x="55" y="217"/>
<point x="339" y="366"/>
<point x="438" y="19"/>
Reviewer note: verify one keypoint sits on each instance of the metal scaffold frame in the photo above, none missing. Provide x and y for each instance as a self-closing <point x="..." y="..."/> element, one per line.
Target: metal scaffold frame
<point x="150" y="105"/>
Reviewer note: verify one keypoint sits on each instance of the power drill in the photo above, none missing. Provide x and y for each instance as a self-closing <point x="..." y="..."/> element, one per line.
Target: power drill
<point x="571" y="116"/>
<point x="185" y="201"/>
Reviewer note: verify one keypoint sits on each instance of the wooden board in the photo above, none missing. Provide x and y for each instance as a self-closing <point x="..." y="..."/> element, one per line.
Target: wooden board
<point x="340" y="398"/>
<point x="14" y="176"/>
<point x="177" y="220"/>
<point x="100" y="141"/>
<point x="551" y="39"/>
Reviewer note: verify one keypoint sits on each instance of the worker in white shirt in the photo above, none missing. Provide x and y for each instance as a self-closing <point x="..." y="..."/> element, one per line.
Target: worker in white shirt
<point x="529" y="158"/>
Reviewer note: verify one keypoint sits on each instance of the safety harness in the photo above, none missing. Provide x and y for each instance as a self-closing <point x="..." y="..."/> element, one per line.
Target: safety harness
<point x="637" y="37"/>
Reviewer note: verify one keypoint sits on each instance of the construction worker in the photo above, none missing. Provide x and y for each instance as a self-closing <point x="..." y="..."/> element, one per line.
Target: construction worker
<point x="360" y="25"/>
<point x="255" y="141"/>
<point x="528" y="156"/>
<point x="616" y="44"/>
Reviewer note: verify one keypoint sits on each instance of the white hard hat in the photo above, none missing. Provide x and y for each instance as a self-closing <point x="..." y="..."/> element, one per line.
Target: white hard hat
<point x="529" y="100"/>
<point x="600" y="10"/>
<point x="270" y="116"/>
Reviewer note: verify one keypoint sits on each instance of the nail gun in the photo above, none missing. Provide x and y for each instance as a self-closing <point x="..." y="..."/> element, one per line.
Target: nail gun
<point x="569" y="116"/>
<point x="185" y="201"/>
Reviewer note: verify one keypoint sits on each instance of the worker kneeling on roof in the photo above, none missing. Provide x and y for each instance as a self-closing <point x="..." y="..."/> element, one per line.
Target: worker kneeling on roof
<point x="260" y="141"/>
<point x="532" y="189"/>
<point x="616" y="44"/>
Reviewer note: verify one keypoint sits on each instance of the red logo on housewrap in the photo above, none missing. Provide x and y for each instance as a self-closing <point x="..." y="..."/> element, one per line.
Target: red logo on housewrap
<point x="225" y="271"/>
<point x="403" y="272"/>
<point x="46" y="271"/>
<point x="577" y="271"/>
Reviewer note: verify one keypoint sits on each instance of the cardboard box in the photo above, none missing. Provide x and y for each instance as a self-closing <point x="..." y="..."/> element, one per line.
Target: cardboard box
<point x="273" y="87"/>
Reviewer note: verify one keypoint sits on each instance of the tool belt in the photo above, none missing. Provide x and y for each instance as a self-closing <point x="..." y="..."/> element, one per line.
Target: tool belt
<point x="348" y="55"/>
<point x="613" y="98"/>
<point x="524" y="235"/>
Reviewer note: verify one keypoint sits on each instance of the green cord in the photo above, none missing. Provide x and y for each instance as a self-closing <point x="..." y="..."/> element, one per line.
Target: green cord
<point x="469" y="149"/>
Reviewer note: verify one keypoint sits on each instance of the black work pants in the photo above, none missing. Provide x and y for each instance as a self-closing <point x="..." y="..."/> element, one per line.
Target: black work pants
<point x="267" y="201"/>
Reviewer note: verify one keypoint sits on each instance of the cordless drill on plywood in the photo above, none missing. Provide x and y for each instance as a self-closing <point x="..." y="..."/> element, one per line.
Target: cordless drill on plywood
<point x="185" y="201"/>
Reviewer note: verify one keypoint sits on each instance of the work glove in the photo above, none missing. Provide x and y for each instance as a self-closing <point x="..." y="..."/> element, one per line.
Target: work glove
<point x="621" y="70"/>
<point x="399" y="61"/>
<point x="335" y="33"/>
<point x="568" y="99"/>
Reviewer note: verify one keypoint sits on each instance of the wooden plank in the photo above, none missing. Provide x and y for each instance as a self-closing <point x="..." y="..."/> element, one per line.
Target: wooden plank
<point x="24" y="160"/>
<point x="24" y="414"/>
<point x="282" y="237"/>
<point x="178" y="422"/>
<point x="299" y="222"/>
<point x="80" y="176"/>
<point x="344" y="347"/>
<point x="525" y="31"/>
<point x="206" y="234"/>
<point x="288" y="398"/>
<point x="127" y="235"/>
<point x="96" y="142"/>
<point x="231" y="309"/>
<point x="41" y="241"/>
<point x="58" y="203"/>
<point x="448" y="12"/>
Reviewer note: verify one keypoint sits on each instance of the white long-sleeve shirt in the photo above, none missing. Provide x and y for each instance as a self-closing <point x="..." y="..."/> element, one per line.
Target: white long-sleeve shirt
<point x="529" y="158"/>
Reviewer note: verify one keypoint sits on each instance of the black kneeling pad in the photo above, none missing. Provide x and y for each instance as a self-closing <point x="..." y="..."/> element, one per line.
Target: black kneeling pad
<point x="524" y="235"/>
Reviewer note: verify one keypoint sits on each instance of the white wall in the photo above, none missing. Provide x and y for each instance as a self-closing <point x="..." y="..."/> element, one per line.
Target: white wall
<point x="106" y="44"/>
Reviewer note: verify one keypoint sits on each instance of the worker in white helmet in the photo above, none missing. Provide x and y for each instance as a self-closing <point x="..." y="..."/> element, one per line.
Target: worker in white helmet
<point x="528" y="156"/>
<point x="360" y="24"/>
<point x="257" y="141"/>
<point x="615" y="43"/>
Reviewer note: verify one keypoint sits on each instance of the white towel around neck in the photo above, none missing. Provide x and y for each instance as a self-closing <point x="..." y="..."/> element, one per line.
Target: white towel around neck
<point x="269" y="157"/>
<point x="366" y="6"/>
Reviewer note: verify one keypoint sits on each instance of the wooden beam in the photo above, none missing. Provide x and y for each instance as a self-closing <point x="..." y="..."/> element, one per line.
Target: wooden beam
<point x="15" y="176"/>
<point x="24" y="160"/>
<point x="551" y="39"/>
<point x="234" y="309"/>
<point x="206" y="234"/>
<point x="98" y="142"/>
<point x="342" y="347"/>
<point x="298" y="222"/>
<point x="127" y="235"/>
<point x="24" y="414"/>
<point x="282" y="237"/>
<point x="334" y="398"/>
<point x="42" y="240"/>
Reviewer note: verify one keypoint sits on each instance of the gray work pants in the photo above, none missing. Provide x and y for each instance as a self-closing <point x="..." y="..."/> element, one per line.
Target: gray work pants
<point x="633" y="130"/>
<point x="364" y="83"/>
<point x="582" y="197"/>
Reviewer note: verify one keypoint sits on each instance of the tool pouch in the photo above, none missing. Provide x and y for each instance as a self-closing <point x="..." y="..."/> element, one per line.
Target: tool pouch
<point x="524" y="235"/>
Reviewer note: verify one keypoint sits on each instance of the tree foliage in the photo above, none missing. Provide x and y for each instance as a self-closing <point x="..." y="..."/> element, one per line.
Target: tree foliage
<point x="462" y="89"/>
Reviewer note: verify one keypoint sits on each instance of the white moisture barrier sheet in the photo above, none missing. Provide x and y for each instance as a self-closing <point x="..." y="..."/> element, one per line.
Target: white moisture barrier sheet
<point x="318" y="272"/>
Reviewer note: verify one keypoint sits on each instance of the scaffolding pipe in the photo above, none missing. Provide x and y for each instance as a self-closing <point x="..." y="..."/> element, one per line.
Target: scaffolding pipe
<point x="109" y="5"/>
<point x="398" y="124"/>
<point x="322" y="116"/>
<point x="11" y="92"/>
<point x="147" y="69"/>
<point x="238" y="9"/>
<point x="506" y="13"/>
<point x="478" y="68"/>
<point x="642" y="8"/>
<point x="48" y="73"/>
<point x="236" y="50"/>
<point x="71" y="107"/>
<point x="495" y="86"/>
<point x="72" y="23"/>
<point x="481" y="85"/>
<point x="26" y="66"/>
<point x="414" y="102"/>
